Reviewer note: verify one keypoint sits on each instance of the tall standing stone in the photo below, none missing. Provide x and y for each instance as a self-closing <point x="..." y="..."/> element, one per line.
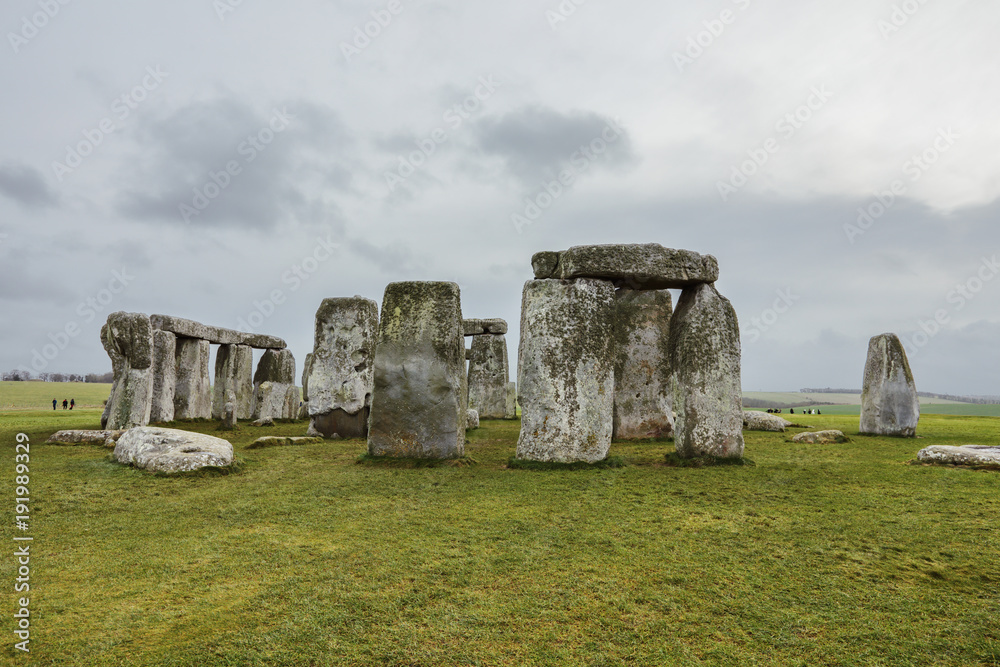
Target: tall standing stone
<point x="565" y="370"/>
<point x="193" y="391"/>
<point x="418" y="406"/>
<point x="275" y="394"/>
<point x="128" y="340"/>
<point x="489" y="372"/>
<point x="164" y="376"/>
<point x="510" y="411"/>
<point x="889" y="402"/>
<point x="342" y="370"/>
<point x="705" y="359"/>
<point x="233" y="381"/>
<point x="642" y="368"/>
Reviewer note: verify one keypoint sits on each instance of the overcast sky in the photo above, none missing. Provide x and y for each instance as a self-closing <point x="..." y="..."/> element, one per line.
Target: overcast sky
<point x="199" y="158"/>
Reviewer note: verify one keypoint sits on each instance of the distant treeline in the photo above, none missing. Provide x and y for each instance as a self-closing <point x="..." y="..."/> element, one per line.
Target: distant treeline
<point x="25" y="376"/>
<point x="760" y="403"/>
<point x="978" y="400"/>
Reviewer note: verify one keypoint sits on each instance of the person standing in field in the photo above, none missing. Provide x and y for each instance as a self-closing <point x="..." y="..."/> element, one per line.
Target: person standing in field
<point x="53" y="404"/>
<point x="72" y="402"/>
<point x="65" y="403"/>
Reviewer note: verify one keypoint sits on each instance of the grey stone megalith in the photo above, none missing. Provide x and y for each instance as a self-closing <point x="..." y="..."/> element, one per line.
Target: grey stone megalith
<point x="164" y="376"/>
<point x="275" y="395"/>
<point x="342" y="367"/>
<point x="192" y="392"/>
<point x="128" y="340"/>
<point x="565" y="370"/>
<point x="705" y="358"/>
<point x="643" y="394"/>
<point x="889" y="402"/>
<point x="489" y="373"/>
<point x="233" y="375"/>
<point x="418" y="406"/>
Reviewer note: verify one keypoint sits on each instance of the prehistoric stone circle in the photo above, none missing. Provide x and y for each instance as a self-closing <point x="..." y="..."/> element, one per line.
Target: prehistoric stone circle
<point x="233" y="381"/>
<point x="275" y="394"/>
<point x="128" y="340"/>
<point x="643" y="402"/>
<point x="565" y="370"/>
<point x="889" y="403"/>
<point x="171" y="450"/>
<point x="192" y="391"/>
<point x="418" y="406"/>
<point x="489" y="373"/>
<point x="164" y="376"/>
<point x="341" y="368"/>
<point x="633" y="265"/>
<point x="705" y="357"/>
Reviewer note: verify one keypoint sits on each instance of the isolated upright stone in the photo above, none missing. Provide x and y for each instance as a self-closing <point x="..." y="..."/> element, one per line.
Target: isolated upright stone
<point x="193" y="391"/>
<point x="643" y="394"/>
<point x="489" y="372"/>
<point x="418" y="405"/>
<point x="164" y="376"/>
<point x="889" y="403"/>
<point x="565" y="370"/>
<point x="128" y="340"/>
<point x="705" y="360"/>
<point x="275" y="394"/>
<point x="233" y="375"/>
<point x="510" y="410"/>
<point x="342" y="370"/>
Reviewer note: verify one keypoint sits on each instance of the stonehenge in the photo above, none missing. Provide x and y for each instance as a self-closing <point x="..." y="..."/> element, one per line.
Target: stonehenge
<point x="128" y="340"/>
<point x="889" y="403"/>
<point x="192" y="391"/>
<point x="418" y="406"/>
<point x="489" y="368"/>
<point x="164" y="376"/>
<point x="233" y="379"/>
<point x="274" y="392"/>
<point x="643" y="403"/>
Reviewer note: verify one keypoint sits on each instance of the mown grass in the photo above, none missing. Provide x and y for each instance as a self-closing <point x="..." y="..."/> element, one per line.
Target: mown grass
<point x="816" y="555"/>
<point x="39" y="395"/>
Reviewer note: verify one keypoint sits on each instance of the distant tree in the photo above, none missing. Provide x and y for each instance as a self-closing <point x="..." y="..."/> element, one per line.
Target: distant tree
<point x="58" y="377"/>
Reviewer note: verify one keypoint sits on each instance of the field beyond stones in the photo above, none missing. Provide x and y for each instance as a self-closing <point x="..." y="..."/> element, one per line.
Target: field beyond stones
<point x="815" y="555"/>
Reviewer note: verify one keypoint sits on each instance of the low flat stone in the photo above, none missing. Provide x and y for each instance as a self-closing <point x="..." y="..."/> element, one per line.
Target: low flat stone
<point x="964" y="455"/>
<point x="192" y="329"/>
<point x="638" y="266"/>
<point x="264" y="421"/>
<point x="821" y="437"/>
<point x="80" y="437"/>
<point x="481" y="327"/>
<point x="278" y="441"/>
<point x="471" y="419"/>
<point x="762" y="421"/>
<point x="171" y="450"/>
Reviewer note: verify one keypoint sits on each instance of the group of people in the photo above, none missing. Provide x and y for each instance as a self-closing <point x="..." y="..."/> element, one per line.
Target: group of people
<point x="71" y="403"/>
<point x="791" y="411"/>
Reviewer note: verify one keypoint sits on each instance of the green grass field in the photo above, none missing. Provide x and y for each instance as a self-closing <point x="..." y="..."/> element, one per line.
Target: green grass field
<point x="39" y="395"/>
<point x="804" y="398"/>
<point x="816" y="555"/>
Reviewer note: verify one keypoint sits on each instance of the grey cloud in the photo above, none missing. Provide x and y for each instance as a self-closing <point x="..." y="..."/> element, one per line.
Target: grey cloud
<point x="26" y="186"/>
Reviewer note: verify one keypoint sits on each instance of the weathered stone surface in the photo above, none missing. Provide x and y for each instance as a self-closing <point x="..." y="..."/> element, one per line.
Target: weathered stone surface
<point x="171" y="450"/>
<point x="762" y="421"/>
<point x="164" y="376"/>
<point x="278" y="441"/>
<point x="275" y="400"/>
<point x="489" y="373"/>
<point x="964" y="455"/>
<point x="821" y="437"/>
<point x="484" y="327"/>
<point x="342" y="371"/>
<point x="229" y="415"/>
<point x="193" y="388"/>
<point x="275" y="366"/>
<point x="471" y="419"/>
<point x="643" y="396"/>
<point x="263" y="421"/>
<point x="565" y="370"/>
<point x="418" y="405"/>
<point x="510" y="409"/>
<point x="128" y="340"/>
<point x="78" y="437"/>
<point x="705" y="360"/>
<point x="889" y="403"/>
<point x="306" y="370"/>
<point x="545" y="264"/>
<point x="639" y="266"/>
<point x="233" y="380"/>
<point x="192" y="329"/>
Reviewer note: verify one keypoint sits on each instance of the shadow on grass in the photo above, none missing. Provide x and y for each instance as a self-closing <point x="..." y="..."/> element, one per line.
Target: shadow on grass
<point x="407" y="462"/>
<point x="610" y="462"/>
<point x="674" y="460"/>
<point x="235" y="468"/>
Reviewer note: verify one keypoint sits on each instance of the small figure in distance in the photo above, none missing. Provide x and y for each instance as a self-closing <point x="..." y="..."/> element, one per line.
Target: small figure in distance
<point x="65" y="404"/>
<point x="53" y="404"/>
<point x="72" y="402"/>
<point x="818" y="412"/>
<point x="791" y="411"/>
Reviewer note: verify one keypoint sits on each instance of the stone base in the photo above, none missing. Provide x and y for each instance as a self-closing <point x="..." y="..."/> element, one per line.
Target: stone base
<point x="340" y="423"/>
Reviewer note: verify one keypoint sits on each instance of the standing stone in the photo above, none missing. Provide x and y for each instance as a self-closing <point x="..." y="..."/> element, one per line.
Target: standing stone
<point x="565" y="370"/>
<point x="705" y="360"/>
<point x="193" y="391"/>
<point x="275" y="394"/>
<point x="889" y="403"/>
<point x="418" y="405"/>
<point x="233" y="375"/>
<point x="164" y="376"/>
<point x="128" y="340"/>
<point x="229" y="414"/>
<point x="510" y="410"/>
<point x="342" y="372"/>
<point x="489" y="372"/>
<point x="642" y="368"/>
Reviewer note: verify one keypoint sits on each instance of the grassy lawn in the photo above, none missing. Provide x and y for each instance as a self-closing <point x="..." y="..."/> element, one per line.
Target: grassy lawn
<point x="39" y="395"/>
<point x="817" y="555"/>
